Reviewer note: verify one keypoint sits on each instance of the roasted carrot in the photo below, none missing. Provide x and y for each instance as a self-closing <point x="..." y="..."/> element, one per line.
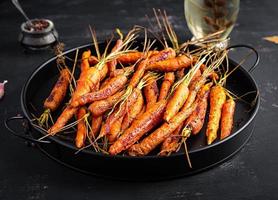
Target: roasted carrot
<point x="213" y="75"/>
<point x="95" y="126"/>
<point x="112" y="86"/>
<point x="81" y="128"/>
<point x="139" y="127"/>
<point x="93" y="60"/>
<point x="122" y="71"/>
<point x="176" y="101"/>
<point x="58" y="92"/>
<point x="227" y="118"/>
<point x="196" y="120"/>
<point x="98" y="108"/>
<point x="88" y="80"/>
<point x="217" y="99"/>
<point x="195" y="77"/>
<point x="119" y="112"/>
<point x="164" y="54"/>
<point x="171" y="64"/>
<point x="151" y="92"/>
<point x="194" y="87"/>
<point x="133" y="112"/>
<point x="85" y="60"/>
<point x="133" y="57"/>
<point x="160" y="134"/>
<point x="112" y="64"/>
<point x="115" y="130"/>
<point x="180" y="74"/>
<point x="139" y="72"/>
<point x="168" y="81"/>
<point x="171" y="143"/>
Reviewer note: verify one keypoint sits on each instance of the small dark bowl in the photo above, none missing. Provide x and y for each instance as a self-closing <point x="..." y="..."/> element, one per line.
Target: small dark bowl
<point x="38" y="39"/>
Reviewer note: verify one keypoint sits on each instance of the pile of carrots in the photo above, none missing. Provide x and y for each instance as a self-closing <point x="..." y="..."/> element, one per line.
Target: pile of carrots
<point x="137" y="102"/>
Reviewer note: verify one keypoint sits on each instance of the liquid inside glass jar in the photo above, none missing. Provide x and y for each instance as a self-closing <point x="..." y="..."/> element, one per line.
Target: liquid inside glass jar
<point x="208" y="16"/>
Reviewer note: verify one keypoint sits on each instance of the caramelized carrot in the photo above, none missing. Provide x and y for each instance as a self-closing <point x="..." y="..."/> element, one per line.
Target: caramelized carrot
<point x="151" y="92"/>
<point x="193" y="90"/>
<point x="133" y="112"/>
<point x="168" y="81"/>
<point x="133" y="57"/>
<point x="119" y="112"/>
<point x="112" y="86"/>
<point x="196" y="120"/>
<point x="139" y="72"/>
<point x="98" y="108"/>
<point x="227" y="118"/>
<point x="213" y="75"/>
<point x="58" y="92"/>
<point x="160" y="134"/>
<point x="139" y="127"/>
<point x="176" y="101"/>
<point x="217" y="99"/>
<point x="95" y="126"/>
<point x="85" y="60"/>
<point x="88" y="80"/>
<point x="180" y="74"/>
<point x="115" y="130"/>
<point x="171" y="64"/>
<point x="122" y="71"/>
<point x="81" y="128"/>
<point x="171" y="143"/>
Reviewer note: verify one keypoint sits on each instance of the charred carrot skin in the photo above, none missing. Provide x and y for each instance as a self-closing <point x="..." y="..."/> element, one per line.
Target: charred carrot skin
<point x="176" y="101"/>
<point x="98" y="108"/>
<point x="139" y="127"/>
<point x="89" y="80"/>
<point x="95" y="126"/>
<point x="133" y="112"/>
<point x="81" y="128"/>
<point x="119" y="112"/>
<point x="151" y="92"/>
<point x="168" y="81"/>
<point x="112" y="86"/>
<point x="227" y="118"/>
<point x="217" y="100"/>
<point x="58" y="92"/>
<point x="196" y="120"/>
<point x="171" y="64"/>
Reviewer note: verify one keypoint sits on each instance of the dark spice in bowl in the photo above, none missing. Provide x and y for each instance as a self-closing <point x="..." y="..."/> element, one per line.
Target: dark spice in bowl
<point x="37" y="25"/>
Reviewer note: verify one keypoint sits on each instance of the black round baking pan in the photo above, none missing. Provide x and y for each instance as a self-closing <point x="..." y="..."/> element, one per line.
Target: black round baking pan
<point x="152" y="167"/>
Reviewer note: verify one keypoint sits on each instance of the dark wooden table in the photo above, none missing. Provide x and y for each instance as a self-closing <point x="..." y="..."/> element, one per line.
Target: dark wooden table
<point x="25" y="173"/>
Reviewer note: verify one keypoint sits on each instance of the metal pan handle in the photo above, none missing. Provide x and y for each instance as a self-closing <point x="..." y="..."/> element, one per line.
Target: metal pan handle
<point x="257" y="60"/>
<point x="23" y="134"/>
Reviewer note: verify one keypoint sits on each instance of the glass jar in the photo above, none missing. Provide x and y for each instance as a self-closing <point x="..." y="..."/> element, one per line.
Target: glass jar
<point x="208" y="16"/>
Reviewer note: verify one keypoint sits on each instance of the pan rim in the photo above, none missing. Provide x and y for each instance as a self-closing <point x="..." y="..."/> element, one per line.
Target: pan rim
<point x="71" y="146"/>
